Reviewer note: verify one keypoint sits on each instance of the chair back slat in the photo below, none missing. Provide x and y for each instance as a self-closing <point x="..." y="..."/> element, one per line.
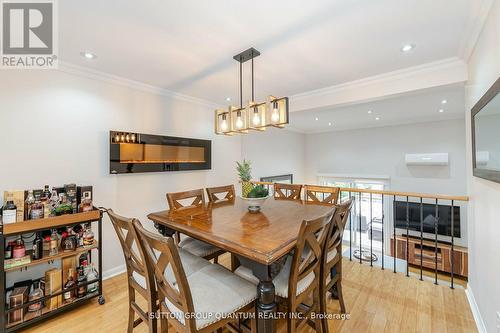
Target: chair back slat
<point x="287" y="191"/>
<point x="311" y="240"/>
<point x="340" y="217"/>
<point x="195" y="197"/>
<point x="221" y="193"/>
<point x="160" y="253"/>
<point x="321" y="194"/>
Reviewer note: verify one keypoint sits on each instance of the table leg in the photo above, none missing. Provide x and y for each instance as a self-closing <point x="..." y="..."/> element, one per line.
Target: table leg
<point x="265" y="307"/>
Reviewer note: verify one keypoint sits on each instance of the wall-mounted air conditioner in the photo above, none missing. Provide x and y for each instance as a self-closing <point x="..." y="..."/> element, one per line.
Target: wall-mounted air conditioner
<point x="427" y="159"/>
<point x="482" y="157"/>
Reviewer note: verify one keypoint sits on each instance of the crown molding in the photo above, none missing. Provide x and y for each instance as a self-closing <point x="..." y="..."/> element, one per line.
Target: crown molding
<point x="429" y="75"/>
<point x="474" y="28"/>
<point x="119" y="80"/>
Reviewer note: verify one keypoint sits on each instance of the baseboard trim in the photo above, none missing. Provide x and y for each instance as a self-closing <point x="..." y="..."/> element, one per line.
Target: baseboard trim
<point x="108" y="274"/>
<point x="475" y="310"/>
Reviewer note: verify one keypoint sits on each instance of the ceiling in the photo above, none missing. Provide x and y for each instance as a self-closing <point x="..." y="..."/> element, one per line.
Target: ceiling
<point x="415" y="107"/>
<point x="187" y="46"/>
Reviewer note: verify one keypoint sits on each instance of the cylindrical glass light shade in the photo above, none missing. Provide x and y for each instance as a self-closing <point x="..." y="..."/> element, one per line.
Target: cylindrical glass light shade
<point x="239" y="120"/>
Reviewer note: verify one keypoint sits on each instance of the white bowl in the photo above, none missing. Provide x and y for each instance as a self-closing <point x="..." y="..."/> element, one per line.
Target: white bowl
<point x="254" y="204"/>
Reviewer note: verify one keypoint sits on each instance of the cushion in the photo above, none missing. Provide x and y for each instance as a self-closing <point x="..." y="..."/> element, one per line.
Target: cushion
<point x="197" y="247"/>
<point x="280" y="281"/>
<point x="216" y="293"/>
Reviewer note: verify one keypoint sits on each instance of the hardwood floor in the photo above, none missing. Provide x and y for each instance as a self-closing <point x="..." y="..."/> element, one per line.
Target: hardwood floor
<point x="378" y="301"/>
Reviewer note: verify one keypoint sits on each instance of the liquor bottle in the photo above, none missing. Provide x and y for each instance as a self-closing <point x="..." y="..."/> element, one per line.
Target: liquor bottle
<point x="54" y="243"/>
<point x="19" y="250"/>
<point x="36" y="209"/>
<point x="78" y="231"/>
<point x="37" y="248"/>
<point x="88" y="236"/>
<point x="83" y="260"/>
<point x="30" y="200"/>
<point x="45" y="199"/>
<point x="92" y="275"/>
<point x="9" y="249"/>
<point x="54" y="202"/>
<point x="69" y="295"/>
<point x="68" y="240"/>
<point x="35" y="294"/>
<point x="9" y="212"/>
<point x="82" y="288"/>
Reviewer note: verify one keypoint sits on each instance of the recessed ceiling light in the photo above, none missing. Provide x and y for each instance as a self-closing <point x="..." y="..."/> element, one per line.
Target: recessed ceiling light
<point x="441" y="110"/>
<point x="407" y="48"/>
<point x="370" y="111"/>
<point x="444" y="101"/>
<point x="88" y="55"/>
<point x="329" y="124"/>
<point x="316" y="118"/>
<point x="377" y="118"/>
<point x="228" y="99"/>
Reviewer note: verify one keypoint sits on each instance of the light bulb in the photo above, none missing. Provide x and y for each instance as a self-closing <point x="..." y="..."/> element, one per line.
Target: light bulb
<point x="127" y="138"/>
<point x="117" y="137"/>
<point x="239" y="122"/>
<point x="275" y="116"/>
<point x="256" y="119"/>
<point x="132" y="137"/>
<point x="223" y="125"/>
<point x="122" y="138"/>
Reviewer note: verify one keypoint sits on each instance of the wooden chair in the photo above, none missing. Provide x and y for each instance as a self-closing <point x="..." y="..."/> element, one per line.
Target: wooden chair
<point x="299" y="279"/>
<point x="331" y="268"/>
<point x="321" y="194"/>
<point x="210" y="291"/>
<point x="287" y="191"/>
<point x="213" y="192"/>
<point x="194" y="198"/>
<point x="138" y="279"/>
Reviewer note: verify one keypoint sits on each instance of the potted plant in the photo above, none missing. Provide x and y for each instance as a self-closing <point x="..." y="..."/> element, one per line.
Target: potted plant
<point x="256" y="198"/>
<point x="244" y="172"/>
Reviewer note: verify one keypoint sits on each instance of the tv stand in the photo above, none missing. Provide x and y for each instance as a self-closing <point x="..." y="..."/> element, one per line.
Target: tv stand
<point x="428" y="254"/>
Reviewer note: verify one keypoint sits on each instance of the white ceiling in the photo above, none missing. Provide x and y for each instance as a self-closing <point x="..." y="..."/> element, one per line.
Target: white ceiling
<point x="187" y="46"/>
<point x="415" y="107"/>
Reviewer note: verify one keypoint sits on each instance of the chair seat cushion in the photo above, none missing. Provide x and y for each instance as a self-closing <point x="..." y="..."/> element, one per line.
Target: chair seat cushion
<point x="280" y="281"/>
<point x="197" y="247"/>
<point x="216" y="292"/>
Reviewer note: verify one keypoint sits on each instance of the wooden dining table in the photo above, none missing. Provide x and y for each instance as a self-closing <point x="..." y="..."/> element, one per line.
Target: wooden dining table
<point x="260" y="241"/>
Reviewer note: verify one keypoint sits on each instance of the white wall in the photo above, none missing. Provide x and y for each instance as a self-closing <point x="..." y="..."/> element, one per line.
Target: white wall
<point x="54" y="130"/>
<point x="484" y="210"/>
<point x="275" y="152"/>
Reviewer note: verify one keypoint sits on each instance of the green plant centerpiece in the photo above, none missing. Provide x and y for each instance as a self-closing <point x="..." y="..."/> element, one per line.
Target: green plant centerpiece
<point x="256" y="198"/>
<point x="244" y="170"/>
<point x="258" y="191"/>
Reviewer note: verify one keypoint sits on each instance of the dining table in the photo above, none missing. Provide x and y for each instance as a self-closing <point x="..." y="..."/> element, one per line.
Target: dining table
<point x="260" y="241"/>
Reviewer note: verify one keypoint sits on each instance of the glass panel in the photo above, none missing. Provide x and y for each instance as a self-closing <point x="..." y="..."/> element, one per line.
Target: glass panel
<point x="487" y="123"/>
<point x="149" y="153"/>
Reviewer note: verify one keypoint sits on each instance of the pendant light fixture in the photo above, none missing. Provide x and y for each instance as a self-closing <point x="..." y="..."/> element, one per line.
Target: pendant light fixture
<point x="254" y="116"/>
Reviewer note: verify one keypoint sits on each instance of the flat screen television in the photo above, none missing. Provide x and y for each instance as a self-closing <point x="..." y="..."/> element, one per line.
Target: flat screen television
<point x="429" y="219"/>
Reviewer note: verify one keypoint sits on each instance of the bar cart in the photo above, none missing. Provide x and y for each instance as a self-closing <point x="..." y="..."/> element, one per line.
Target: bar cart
<point x="26" y="227"/>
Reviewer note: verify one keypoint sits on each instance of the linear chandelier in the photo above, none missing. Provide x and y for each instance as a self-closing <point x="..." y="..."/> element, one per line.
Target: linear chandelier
<point x="255" y="116"/>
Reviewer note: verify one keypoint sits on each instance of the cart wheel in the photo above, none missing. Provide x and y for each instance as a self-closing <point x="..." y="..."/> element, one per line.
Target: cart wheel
<point x="101" y="300"/>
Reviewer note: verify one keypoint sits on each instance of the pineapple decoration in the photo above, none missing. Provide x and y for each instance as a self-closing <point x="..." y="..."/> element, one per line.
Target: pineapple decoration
<point x="244" y="172"/>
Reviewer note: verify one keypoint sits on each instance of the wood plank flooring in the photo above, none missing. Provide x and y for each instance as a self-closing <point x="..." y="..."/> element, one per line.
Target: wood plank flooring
<point x="377" y="301"/>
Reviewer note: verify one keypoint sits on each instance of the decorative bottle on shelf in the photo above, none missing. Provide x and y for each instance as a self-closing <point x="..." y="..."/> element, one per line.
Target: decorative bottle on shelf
<point x="54" y="202"/>
<point x="9" y="212"/>
<point x="35" y="294"/>
<point x="70" y="294"/>
<point x="54" y="243"/>
<point x="37" y="249"/>
<point x="83" y="260"/>
<point x="30" y="200"/>
<point x="82" y="288"/>
<point x="92" y="275"/>
<point x="88" y="236"/>
<point x="45" y="199"/>
<point x="9" y="249"/>
<point x="19" y="250"/>
<point x="36" y="209"/>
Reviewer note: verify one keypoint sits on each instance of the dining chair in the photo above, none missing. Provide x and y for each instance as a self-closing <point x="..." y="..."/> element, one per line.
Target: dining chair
<point x="331" y="268"/>
<point x="221" y="193"/>
<point x="193" y="198"/>
<point x="287" y="191"/>
<point x="321" y="194"/>
<point x="213" y="292"/>
<point x="138" y="280"/>
<point x="299" y="279"/>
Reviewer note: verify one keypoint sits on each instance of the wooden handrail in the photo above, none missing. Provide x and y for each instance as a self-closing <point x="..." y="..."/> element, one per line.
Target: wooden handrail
<point x="396" y="193"/>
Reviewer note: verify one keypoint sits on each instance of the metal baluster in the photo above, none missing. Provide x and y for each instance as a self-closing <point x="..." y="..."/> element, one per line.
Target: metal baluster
<point x="371" y="231"/>
<point x="452" y="242"/>
<point x="421" y="236"/>
<point x="350" y="233"/>
<point x="360" y="248"/>
<point x="394" y="231"/>
<point x="436" y="244"/>
<point x="407" y="236"/>
<point x="383" y="244"/>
